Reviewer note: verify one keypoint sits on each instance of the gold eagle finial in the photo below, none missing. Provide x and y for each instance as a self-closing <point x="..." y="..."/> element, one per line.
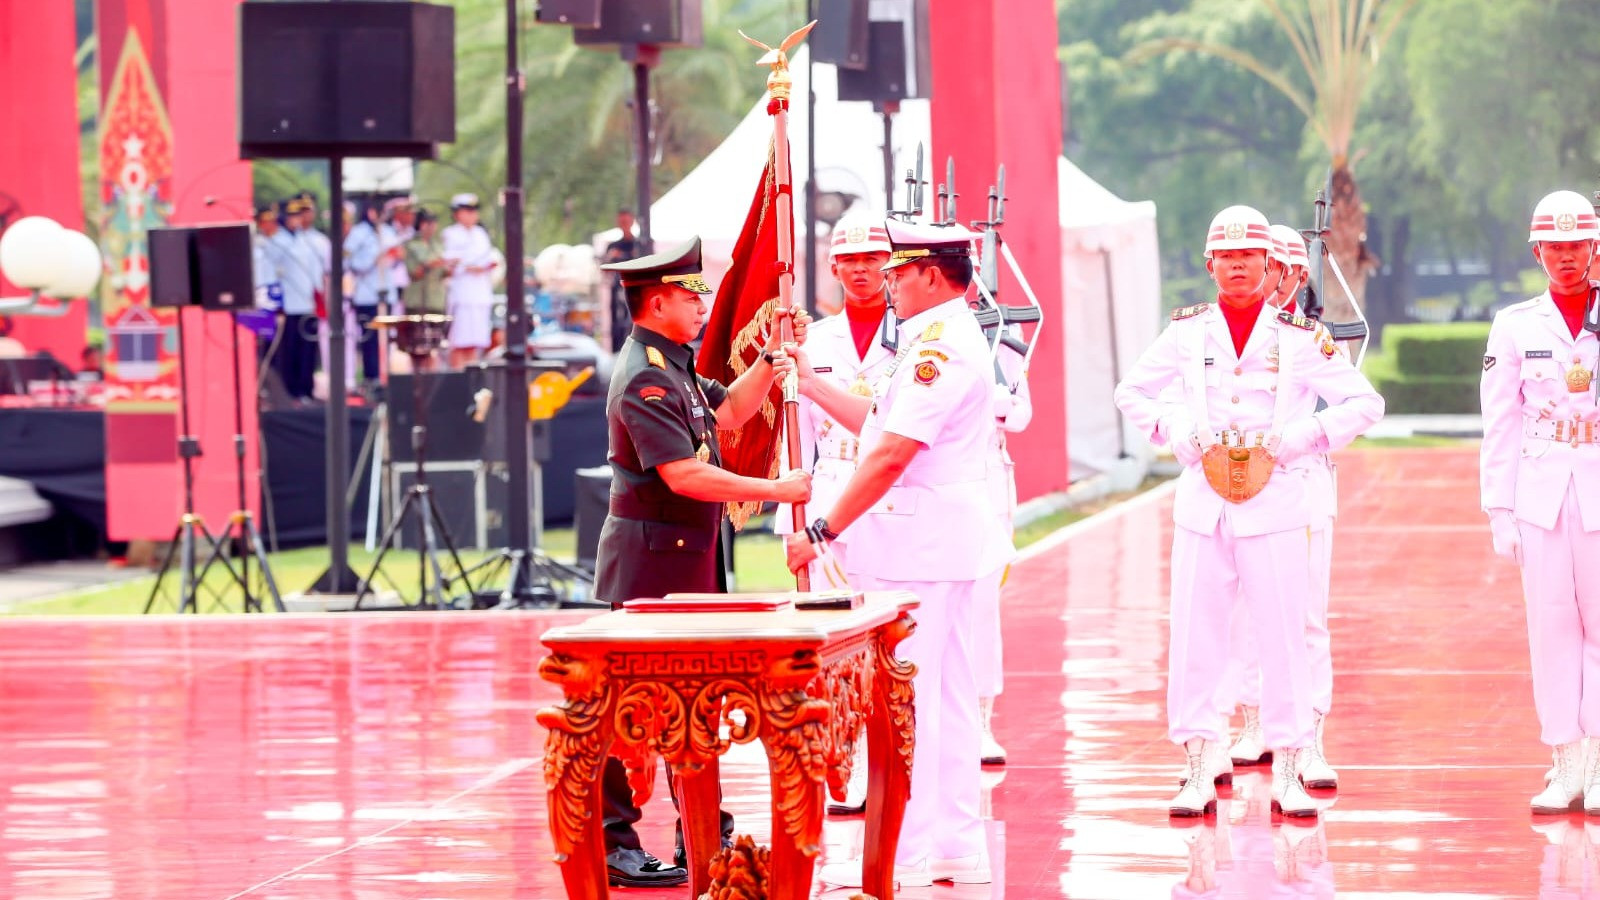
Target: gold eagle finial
<point x="779" y="84"/>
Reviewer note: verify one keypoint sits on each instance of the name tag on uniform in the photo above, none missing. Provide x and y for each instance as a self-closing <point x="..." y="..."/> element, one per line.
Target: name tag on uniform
<point x="1538" y="354"/>
<point x="1211" y="360"/>
<point x="820" y="369"/>
<point x="697" y="411"/>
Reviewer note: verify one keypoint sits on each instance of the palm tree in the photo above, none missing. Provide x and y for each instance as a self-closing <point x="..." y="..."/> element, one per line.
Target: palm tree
<point x="1338" y="44"/>
<point x="579" y="125"/>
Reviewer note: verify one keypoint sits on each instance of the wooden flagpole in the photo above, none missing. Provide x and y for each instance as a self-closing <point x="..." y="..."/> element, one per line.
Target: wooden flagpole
<point x="779" y="86"/>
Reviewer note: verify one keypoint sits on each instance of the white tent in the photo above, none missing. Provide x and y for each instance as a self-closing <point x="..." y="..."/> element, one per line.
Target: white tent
<point x="1110" y="264"/>
<point x="1111" y="277"/>
<point x="713" y="199"/>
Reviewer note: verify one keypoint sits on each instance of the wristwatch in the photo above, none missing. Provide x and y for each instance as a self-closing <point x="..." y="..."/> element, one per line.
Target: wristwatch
<point x="768" y="357"/>
<point x="818" y="532"/>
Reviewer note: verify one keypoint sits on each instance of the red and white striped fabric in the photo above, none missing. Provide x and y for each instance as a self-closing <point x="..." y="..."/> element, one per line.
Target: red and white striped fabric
<point x="859" y="234"/>
<point x="1239" y="228"/>
<point x="1290" y="246"/>
<point x="1564" y="216"/>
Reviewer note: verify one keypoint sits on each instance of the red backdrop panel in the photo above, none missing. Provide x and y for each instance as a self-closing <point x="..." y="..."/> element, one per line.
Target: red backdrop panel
<point x="39" y="147"/>
<point x="167" y="143"/>
<point x="997" y="99"/>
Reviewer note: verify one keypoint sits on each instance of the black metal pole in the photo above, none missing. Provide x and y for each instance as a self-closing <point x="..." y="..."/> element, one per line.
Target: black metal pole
<point x="811" y="179"/>
<point x="888" y="157"/>
<point x="238" y="460"/>
<point x="519" y="534"/>
<point x="643" y="57"/>
<point x="338" y="579"/>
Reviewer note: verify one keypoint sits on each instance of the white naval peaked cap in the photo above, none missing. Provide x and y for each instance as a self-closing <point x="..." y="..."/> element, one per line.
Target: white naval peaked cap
<point x="913" y="241"/>
<point x="464" y="201"/>
<point x="1239" y="228"/>
<point x="1289" y="247"/>
<point x="859" y="234"/>
<point x="1564" y="216"/>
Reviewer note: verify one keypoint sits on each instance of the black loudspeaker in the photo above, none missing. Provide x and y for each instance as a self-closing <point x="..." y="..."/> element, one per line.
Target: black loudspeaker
<point x="886" y="78"/>
<point x="665" y="23"/>
<point x="209" y="266"/>
<point x="593" y="492"/>
<point x="171" y="267"/>
<point x="840" y="37"/>
<point x="365" y="78"/>
<point x="452" y="435"/>
<point x="577" y="13"/>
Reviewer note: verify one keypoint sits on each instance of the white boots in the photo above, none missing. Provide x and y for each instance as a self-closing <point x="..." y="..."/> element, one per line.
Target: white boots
<point x="1199" y="794"/>
<point x="1289" y="796"/>
<point x="1217" y="764"/>
<point x="991" y="754"/>
<point x="1315" y="772"/>
<point x="1566" y="788"/>
<point x="1250" y="749"/>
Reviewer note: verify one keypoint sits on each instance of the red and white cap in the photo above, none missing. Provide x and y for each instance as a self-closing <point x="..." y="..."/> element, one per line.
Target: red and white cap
<point x="1288" y="247"/>
<point x="1564" y="216"/>
<point x="859" y="234"/>
<point x="1239" y="228"/>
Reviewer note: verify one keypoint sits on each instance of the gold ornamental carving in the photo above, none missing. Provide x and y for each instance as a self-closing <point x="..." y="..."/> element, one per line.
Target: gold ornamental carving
<point x="576" y="746"/>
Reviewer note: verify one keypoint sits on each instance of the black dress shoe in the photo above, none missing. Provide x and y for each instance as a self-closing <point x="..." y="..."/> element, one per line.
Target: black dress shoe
<point x="681" y="856"/>
<point x="844" y="809"/>
<point x="635" y="868"/>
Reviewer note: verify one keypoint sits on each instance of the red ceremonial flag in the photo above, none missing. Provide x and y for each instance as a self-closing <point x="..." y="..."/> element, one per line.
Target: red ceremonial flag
<point x="741" y="321"/>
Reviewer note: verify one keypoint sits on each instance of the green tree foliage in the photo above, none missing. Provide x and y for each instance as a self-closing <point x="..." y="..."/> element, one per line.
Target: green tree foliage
<point x="579" y="119"/>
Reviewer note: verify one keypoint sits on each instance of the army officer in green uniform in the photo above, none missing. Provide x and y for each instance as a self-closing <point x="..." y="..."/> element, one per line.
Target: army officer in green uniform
<point x="667" y="484"/>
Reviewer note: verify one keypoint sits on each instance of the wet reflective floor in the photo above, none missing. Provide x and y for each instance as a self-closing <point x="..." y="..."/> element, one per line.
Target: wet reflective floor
<point x="397" y="756"/>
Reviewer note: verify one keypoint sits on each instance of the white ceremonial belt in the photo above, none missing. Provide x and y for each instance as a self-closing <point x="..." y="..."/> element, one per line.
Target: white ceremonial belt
<point x="1565" y="431"/>
<point x="849" y="453"/>
<point x="1232" y="438"/>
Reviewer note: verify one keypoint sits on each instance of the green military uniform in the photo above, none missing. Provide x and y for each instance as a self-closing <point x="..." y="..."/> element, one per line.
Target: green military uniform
<point x="655" y="542"/>
<point x="425" y="293"/>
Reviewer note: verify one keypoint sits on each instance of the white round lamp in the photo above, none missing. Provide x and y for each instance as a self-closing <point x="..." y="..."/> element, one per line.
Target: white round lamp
<point x="32" y="252"/>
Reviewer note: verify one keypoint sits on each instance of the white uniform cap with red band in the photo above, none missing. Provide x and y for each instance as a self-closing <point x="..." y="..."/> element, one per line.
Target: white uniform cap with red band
<point x="1239" y="228"/>
<point x="859" y="234"/>
<point x="1290" y="247"/>
<point x="1564" y="216"/>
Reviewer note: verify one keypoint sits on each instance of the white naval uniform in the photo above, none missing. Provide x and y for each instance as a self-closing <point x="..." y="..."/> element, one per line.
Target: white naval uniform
<point x="828" y="450"/>
<point x="1552" y="487"/>
<point x="935" y="534"/>
<point x="1260" y="549"/>
<point x="1013" y="410"/>
<point x="1242" y="684"/>
<point x="469" y="296"/>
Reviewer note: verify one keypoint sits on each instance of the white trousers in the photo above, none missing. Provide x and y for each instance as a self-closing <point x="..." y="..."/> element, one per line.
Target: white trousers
<point x="1242" y="683"/>
<point x="987" y="660"/>
<point x="1271" y="574"/>
<point x="942" y="814"/>
<point x="1561" y="584"/>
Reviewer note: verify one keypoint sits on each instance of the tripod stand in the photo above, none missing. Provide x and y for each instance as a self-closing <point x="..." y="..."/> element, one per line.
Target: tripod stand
<point x="418" y="337"/>
<point x="191" y="530"/>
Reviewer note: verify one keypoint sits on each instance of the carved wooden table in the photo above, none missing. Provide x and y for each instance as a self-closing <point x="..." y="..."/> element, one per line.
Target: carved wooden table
<point x="643" y="685"/>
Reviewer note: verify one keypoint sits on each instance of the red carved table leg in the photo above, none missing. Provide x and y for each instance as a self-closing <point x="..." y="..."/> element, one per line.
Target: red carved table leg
<point x="575" y="753"/>
<point x="702" y="825"/>
<point x="891" y="743"/>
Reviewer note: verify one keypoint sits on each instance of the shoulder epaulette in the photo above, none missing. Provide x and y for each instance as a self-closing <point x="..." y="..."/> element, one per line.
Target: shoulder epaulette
<point x="1298" y="321"/>
<point x="654" y="357"/>
<point x="1189" y="312"/>
<point x="933" y="332"/>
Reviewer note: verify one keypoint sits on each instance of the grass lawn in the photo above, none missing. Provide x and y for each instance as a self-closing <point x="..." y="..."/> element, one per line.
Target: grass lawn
<point x="1415" y="440"/>
<point x="758" y="563"/>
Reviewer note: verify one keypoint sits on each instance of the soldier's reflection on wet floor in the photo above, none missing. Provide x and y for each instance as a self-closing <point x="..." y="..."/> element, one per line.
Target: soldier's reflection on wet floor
<point x="1244" y="853"/>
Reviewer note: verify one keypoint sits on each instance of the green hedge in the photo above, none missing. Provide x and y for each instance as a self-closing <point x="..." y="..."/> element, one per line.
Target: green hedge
<point x="1438" y="348"/>
<point x="1430" y="368"/>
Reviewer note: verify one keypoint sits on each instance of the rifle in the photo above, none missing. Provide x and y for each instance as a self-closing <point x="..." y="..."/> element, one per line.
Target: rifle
<point x="994" y="316"/>
<point x="944" y="211"/>
<point x="1591" y="322"/>
<point x="914" y="186"/>
<point x="1318" y="261"/>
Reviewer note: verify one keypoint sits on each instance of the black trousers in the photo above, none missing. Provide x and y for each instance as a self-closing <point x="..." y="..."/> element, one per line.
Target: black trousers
<point x="297" y="353"/>
<point x="367" y="340"/>
<point x="621" y="815"/>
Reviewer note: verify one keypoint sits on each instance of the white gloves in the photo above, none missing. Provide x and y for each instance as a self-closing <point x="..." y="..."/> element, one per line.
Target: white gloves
<point x="1507" y="539"/>
<point x="1179" y="432"/>
<point x="1003" y="401"/>
<point x="1301" y="439"/>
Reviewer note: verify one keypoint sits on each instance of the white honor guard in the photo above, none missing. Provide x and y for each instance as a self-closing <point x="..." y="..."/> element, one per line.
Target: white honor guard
<point x="920" y="500"/>
<point x="469" y="294"/>
<point x="1246" y="428"/>
<point x="1540" y="486"/>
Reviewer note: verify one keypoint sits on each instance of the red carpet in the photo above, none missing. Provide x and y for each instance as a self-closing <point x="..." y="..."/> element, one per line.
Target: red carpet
<point x="396" y="756"/>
